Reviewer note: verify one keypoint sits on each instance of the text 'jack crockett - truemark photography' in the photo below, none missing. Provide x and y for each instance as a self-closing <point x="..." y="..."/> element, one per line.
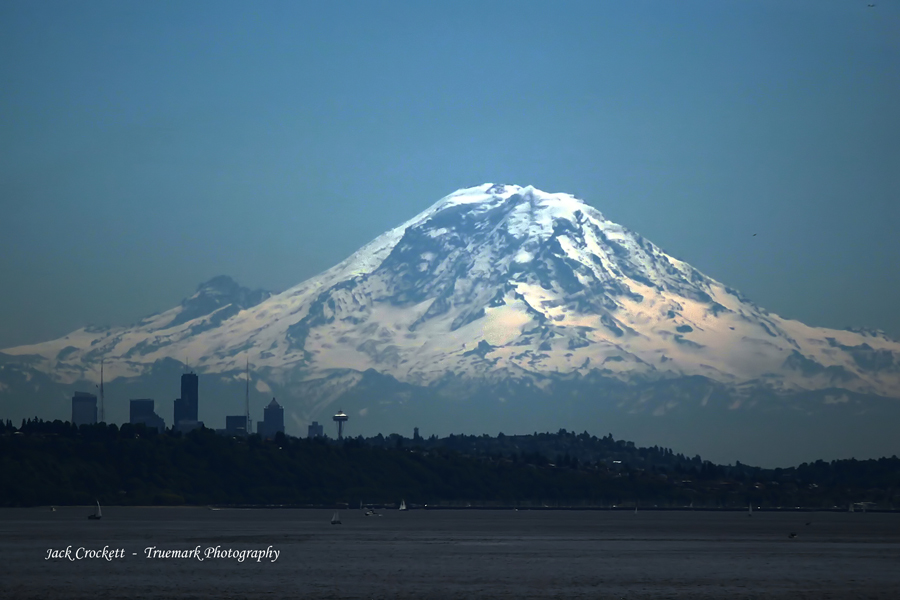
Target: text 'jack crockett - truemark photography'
<point x="153" y="552"/>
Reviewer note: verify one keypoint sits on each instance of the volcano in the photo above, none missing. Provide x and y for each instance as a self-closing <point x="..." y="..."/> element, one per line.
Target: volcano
<point x="502" y="308"/>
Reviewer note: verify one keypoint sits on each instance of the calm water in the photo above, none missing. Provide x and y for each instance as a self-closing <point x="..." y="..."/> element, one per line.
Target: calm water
<point x="453" y="554"/>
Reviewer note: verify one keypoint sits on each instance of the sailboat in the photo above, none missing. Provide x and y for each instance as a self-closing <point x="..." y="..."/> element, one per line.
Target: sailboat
<point x="97" y="515"/>
<point x="750" y="509"/>
<point x="335" y="519"/>
<point x="403" y="505"/>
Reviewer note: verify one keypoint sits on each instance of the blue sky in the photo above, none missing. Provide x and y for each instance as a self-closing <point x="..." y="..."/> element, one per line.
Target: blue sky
<point x="148" y="146"/>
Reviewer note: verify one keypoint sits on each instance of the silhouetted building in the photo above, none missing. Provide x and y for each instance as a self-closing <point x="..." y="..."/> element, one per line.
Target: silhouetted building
<point x="179" y="413"/>
<point x="273" y="420"/>
<point x="416" y="435"/>
<point x="273" y="415"/>
<point x="190" y="396"/>
<point x="315" y="430"/>
<point x="186" y="426"/>
<point x="187" y="407"/>
<point x="236" y="425"/>
<point x="144" y="412"/>
<point x="84" y="409"/>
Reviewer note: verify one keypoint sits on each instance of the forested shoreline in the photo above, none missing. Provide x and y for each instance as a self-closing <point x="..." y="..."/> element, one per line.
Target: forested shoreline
<point x="55" y="463"/>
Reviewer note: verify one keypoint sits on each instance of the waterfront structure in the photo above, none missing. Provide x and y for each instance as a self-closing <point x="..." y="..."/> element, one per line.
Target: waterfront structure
<point x="143" y="412"/>
<point x="84" y="409"/>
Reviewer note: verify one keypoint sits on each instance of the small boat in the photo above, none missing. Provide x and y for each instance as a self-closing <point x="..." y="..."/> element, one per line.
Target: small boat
<point x="52" y="509"/>
<point x="97" y="515"/>
<point x="335" y="519"/>
<point x="403" y="505"/>
<point x="750" y="510"/>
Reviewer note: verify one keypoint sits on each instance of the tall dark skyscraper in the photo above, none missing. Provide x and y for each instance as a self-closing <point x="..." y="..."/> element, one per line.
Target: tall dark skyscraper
<point x="179" y="416"/>
<point x="189" y="396"/>
<point x="187" y="407"/>
<point x="273" y="419"/>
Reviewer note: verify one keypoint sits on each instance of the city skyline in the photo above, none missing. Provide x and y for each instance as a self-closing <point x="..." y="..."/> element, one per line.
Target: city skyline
<point x="84" y="410"/>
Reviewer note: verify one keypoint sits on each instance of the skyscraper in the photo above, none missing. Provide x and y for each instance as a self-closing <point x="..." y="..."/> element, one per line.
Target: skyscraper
<point x="273" y="420"/>
<point x="236" y="425"/>
<point x="187" y="407"/>
<point x="315" y="430"/>
<point x="144" y="412"/>
<point x="179" y="414"/>
<point x="190" y="396"/>
<point x="84" y="408"/>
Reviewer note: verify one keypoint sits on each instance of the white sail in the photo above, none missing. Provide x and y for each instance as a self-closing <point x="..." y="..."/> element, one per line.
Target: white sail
<point x="403" y="505"/>
<point x="99" y="514"/>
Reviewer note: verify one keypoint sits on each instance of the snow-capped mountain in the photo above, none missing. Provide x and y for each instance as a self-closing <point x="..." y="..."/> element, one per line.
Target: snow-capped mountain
<point x="492" y="287"/>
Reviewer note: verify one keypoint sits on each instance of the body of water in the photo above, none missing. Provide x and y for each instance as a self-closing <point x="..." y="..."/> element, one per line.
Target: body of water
<point x="446" y="554"/>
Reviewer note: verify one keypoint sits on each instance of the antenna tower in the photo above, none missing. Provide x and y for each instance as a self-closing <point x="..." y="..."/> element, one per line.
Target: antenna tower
<point x="247" y="399"/>
<point x="102" y="416"/>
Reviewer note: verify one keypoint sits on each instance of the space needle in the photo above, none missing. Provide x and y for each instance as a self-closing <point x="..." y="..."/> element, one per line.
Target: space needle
<point x="340" y="418"/>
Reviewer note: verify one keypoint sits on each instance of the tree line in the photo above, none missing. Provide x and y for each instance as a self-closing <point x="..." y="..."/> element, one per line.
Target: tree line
<point x="56" y="463"/>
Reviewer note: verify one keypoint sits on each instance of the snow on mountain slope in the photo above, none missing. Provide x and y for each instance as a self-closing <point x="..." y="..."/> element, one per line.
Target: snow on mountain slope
<point x="493" y="282"/>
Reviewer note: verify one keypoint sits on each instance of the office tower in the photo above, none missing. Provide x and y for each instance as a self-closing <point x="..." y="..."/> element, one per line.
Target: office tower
<point x="178" y="414"/>
<point x="236" y="425"/>
<point x="144" y="412"/>
<point x="84" y="408"/>
<point x="315" y="430"/>
<point x="273" y="420"/>
<point x="190" y="397"/>
<point x="273" y="415"/>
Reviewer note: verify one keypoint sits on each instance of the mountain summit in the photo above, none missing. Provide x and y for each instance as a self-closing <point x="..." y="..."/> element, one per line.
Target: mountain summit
<point x="502" y="288"/>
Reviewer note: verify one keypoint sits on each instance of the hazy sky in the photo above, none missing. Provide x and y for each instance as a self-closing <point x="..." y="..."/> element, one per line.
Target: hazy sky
<point x="148" y="146"/>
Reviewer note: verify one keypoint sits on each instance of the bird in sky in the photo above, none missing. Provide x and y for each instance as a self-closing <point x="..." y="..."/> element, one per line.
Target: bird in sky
<point x="754" y="235"/>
